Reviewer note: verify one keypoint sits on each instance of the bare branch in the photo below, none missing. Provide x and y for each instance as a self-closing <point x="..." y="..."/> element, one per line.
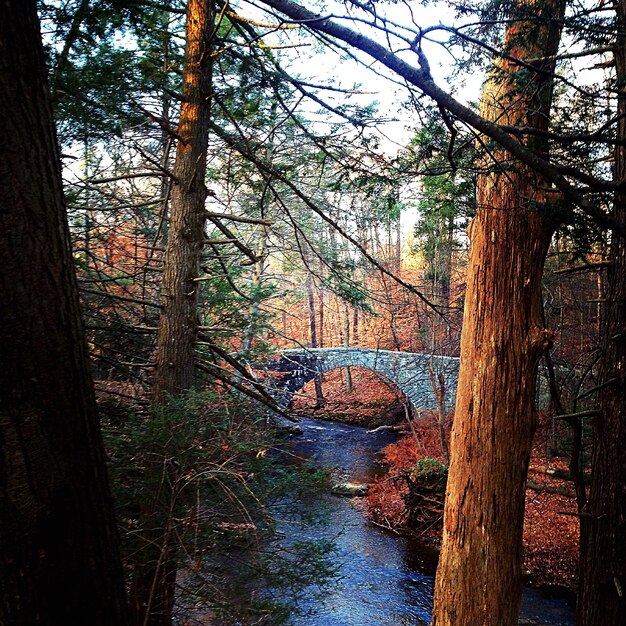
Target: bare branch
<point x="423" y="81"/>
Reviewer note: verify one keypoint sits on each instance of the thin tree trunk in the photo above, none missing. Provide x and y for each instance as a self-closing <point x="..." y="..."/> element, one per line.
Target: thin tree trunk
<point x="602" y="589"/>
<point x="319" y="394"/>
<point x="438" y="384"/>
<point x="320" y="299"/>
<point x="165" y="142"/>
<point x="479" y="578"/>
<point x="346" y="343"/>
<point x="447" y="265"/>
<point x="320" y="307"/>
<point x="154" y="576"/>
<point x="576" y="430"/>
<point x="399" y="246"/>
<point x="255" y="290"/>
<point x="392" y="314"/>
<point x="59" y="550"/>
<point x="261" y="252"/>
<point x="600" y="295"/>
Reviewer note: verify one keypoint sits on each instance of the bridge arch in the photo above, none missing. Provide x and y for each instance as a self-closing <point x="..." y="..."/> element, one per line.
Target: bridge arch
<point x="408" y="371"/>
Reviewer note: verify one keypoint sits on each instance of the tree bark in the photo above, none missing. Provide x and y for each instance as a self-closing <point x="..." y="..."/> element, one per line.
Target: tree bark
<point x="59" y="552"/>
<point x="346" y="343"/>
<point x="479" y="578"/>
<point x="602" y="589"/>
<point x="319" y="393"/>
<point x="154" y="575"/>
<point x="179" y="295"/>
<point x="438" y="384"/>
<point x="256" y="282"/>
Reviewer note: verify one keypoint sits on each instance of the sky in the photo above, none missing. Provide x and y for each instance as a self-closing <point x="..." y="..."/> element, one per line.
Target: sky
<point x="327" y="67"/>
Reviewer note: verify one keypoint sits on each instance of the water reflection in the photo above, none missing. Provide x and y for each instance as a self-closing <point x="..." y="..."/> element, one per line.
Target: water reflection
<point x="385" y="579"/>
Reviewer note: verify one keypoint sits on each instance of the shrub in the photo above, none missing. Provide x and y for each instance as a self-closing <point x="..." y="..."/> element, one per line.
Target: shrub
<point x="221" y="490"/>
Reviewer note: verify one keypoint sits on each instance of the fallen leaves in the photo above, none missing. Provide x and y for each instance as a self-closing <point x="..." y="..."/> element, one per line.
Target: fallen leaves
<point x="551" y="528"/>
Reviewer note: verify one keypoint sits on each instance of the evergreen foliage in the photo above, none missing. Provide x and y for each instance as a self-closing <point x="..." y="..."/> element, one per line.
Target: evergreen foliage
<point x="231" y="501"/>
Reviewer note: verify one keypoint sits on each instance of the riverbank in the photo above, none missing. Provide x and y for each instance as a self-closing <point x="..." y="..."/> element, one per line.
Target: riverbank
<point x="385" y="578"/>
<point x="551" y="529"/>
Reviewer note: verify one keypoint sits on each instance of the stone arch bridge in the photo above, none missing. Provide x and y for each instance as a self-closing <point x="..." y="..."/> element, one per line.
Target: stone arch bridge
<point x="408" y="371"/>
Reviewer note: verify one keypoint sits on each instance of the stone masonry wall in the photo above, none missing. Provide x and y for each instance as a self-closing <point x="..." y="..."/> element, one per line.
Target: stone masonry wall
<point x="406" y="370"/>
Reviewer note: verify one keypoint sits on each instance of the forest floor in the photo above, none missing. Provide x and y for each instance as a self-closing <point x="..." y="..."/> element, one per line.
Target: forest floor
<point x="551" y="528"/>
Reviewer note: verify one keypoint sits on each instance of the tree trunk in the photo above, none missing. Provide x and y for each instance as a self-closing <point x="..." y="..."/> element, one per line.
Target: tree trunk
<point x="256" y="281"/>
<point x="59" y="552"/>
<point x="346" y="343"/>
<point x="438" y="384"/>
<point x="602" y="590"/>
<point x="447" y="265"/>
<point x="255" y="291"/>
<point x="320" y="307"/>
<point x="154" y="576"/>
<point x="391" y="305"/>
<point x="399" y="246"/>
<point x="179" y="296"/>
<point x="320" y="299"/>
<point x="479" y="578"/>
<point x="600" y="295"/>
<point x="319" y="394"/>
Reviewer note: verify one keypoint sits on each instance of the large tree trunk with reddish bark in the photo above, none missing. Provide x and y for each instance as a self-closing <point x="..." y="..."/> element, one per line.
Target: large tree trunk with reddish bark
<point x="154" y="576"/>
<point x="59" y="552"/>
<point x="602" y="591"/>
<point x="479" y="578"/>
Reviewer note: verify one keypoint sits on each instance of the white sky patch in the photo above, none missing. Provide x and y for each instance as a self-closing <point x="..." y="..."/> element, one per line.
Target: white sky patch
<point x="375" y="83"/>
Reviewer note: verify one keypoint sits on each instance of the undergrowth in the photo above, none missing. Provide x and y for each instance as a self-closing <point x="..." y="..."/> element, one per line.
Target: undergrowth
<point x="231" y="501"/>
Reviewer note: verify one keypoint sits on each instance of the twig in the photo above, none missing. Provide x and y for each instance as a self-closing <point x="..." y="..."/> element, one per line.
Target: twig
<point x="237" y="218"/>
<point x="582" y="268"/>
<point x="597" y="388"/>
<point x="573" y="416"/>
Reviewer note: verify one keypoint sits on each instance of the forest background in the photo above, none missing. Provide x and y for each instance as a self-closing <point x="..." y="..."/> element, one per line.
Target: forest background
<point x="223" y="204"/>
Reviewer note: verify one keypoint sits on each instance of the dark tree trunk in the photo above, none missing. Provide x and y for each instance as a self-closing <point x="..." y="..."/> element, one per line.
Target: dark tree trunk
<point x="154" y="576"/>
<point x="255" y="289"/>
<point x="479" y="578"/>
<point x="346" y="343"/>
<point x="438" y="384"/>
<point x="602" y="591"/>
<point x="319" y="393"/>
<point x="59" y="552"/>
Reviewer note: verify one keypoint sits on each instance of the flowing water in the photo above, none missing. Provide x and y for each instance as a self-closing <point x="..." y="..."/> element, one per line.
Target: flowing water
<point x="385" y="579"/>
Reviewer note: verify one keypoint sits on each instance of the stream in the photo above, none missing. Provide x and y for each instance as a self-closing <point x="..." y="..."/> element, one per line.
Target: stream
<point x="384" y="579"/>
